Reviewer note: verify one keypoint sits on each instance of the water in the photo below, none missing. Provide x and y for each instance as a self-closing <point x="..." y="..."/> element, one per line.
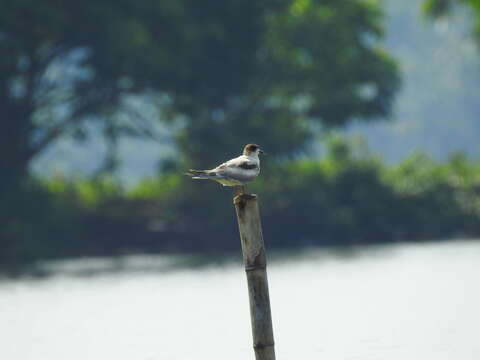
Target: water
<point x="401" y="302"/>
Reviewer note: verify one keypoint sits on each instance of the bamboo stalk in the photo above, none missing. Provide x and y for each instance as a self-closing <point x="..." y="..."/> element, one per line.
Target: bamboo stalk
<point x="254" y="259"/>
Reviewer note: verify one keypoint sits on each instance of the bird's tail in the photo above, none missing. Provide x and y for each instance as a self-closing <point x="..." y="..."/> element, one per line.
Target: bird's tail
<point x="200" y="174"/>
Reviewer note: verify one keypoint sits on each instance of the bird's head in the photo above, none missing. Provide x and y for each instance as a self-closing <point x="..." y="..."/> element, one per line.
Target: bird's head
<point x="252" y="150"/>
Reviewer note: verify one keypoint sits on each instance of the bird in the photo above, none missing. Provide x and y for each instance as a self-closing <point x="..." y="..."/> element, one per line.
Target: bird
<point x="234" y="172"/>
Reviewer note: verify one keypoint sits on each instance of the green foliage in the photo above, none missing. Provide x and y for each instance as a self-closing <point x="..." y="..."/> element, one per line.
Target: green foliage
<point x="315" y="63"/>
<point x="438" y="8"/>
<point x="218" y="72"/>
<point x="224" y="70"/>
<point x="85" y="193"/>
<point x="445" y="195"/>
<point x="38" y="226"/>
<point x="347" y="197"/>
<point x="442" y="8"/>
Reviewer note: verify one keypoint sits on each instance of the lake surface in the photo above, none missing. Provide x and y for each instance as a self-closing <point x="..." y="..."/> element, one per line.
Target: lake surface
<point x="399" y="302"/>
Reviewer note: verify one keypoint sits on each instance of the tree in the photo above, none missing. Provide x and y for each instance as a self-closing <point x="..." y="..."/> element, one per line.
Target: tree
<point x="229" y="70"/>
<point x="223" y="72"/>
<point x="441" y="8"/>
<point x="63" y="63"/>
<point x="317" y="63"/>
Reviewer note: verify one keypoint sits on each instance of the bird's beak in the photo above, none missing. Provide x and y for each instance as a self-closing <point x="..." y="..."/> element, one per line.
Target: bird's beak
<point x="262" y="152"/>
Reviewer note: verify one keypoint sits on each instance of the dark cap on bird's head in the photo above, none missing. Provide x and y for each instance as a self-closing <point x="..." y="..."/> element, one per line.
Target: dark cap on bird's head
<point x="252" y="149"/>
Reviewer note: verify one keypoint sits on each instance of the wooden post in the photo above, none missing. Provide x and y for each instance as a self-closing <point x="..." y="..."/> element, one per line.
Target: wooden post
<point x="255" y="263"/>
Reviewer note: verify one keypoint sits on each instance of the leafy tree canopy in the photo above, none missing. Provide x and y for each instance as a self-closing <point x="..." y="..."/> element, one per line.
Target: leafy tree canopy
<point x="227" y="71"/>
<point x="440" y="8"/>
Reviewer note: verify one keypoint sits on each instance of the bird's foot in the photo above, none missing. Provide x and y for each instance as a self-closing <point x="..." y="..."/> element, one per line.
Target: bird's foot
<point x="241" y="194"/>
<point x="240" y="190"/>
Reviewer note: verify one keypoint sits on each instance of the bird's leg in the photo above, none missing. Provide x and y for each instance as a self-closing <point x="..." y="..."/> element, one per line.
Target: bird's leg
<point x="238" y="190"/>
<point x="244" y="189"/>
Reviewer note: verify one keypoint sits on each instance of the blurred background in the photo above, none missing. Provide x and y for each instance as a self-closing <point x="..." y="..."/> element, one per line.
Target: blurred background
<point x="370" y="114"/>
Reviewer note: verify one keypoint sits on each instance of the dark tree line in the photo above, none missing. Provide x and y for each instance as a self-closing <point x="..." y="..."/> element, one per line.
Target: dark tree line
<point x="223" y="72"/>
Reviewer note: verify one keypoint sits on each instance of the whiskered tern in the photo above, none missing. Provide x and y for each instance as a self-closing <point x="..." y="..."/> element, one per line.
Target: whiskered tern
<point x="235" y="172"/>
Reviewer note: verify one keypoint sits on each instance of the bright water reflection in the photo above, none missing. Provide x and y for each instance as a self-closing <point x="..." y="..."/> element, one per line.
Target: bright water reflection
<point x="402" y="302"/>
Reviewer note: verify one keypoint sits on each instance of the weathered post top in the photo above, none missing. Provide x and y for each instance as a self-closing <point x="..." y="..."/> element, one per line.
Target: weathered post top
<point x="250" y="228"/>
<point x="255" y="263"/>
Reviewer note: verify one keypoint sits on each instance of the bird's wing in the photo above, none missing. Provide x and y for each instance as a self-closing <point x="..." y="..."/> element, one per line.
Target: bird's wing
<point x="242" y="162"/>
<point x="236" y="168"/>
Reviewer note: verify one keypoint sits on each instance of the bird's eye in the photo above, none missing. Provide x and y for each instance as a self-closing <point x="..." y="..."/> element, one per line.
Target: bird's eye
<point x="252" y="147"/>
